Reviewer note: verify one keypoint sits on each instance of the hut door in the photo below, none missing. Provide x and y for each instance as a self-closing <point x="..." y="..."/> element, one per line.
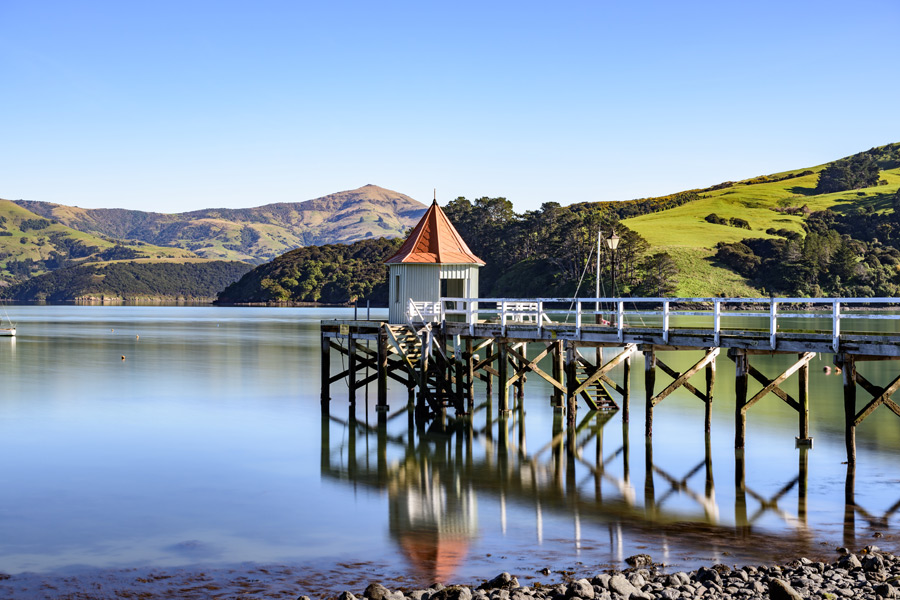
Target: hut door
<point x="453" y="288"/>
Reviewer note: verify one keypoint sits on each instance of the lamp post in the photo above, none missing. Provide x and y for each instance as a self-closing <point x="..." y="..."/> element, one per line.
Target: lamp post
<point x="612" y="243"/>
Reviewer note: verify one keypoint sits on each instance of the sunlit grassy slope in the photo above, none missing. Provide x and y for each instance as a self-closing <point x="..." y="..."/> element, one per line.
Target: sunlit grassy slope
<point x="684" y="233"/>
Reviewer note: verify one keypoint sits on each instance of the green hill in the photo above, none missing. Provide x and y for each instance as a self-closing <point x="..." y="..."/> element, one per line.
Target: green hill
<point x="772" y="202"/>
<point x="252" y="235"/>
<point x="31" y="245"/>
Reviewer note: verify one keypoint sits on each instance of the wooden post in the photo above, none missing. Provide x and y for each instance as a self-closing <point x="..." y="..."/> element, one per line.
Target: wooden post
<point x="571" y="384"/>
<point x="649" y="383"/>
<point x="741" y="379"/>
<point x="520" y="382"/>
<point x="558" y="373"/>
<point x="649" y="487"/>
<point x="503" y="370"/>
<point x="626" y="397"/>
<point x="489" y="351"/>
<point x="710" y="384"/>
<point x="382" y="406"/>
<point x="326" y="373"/>
<point x="850" y="507"/>
<point x="849" y="373"/>
<point x="470" y="376"/>
<point x="351" y="367"/>
<point x="803" y="398"/>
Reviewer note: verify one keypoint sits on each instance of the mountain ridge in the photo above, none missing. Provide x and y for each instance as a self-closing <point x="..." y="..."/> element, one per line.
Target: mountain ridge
<point x="254" y="234"/>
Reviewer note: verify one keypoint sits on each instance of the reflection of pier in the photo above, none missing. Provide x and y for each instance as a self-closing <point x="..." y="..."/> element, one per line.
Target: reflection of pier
<point x="435" y="478"/>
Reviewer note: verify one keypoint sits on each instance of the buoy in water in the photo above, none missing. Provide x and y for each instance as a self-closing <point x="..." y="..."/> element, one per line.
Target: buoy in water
<point x="827" y="370"/>
<point x="137" y="337"/>
<point x="123" y="357"/>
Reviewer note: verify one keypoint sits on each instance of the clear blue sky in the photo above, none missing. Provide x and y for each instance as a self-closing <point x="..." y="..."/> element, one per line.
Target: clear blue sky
<point x="172" y="106"/>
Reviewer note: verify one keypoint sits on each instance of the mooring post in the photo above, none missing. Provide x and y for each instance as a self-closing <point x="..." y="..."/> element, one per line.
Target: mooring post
<point x="558" y="398"/>
<point x="710" y="385"/>
<point x="503" y="376"/>
<point x="741" y="380"/>
<point x="804" y="439"/>
<point x="626" y="385"/>
<point x="649" y="384"/>
<point x="351" y="367"/>
<point x="710" y="485"/>
<point x="848" y="364"/>
<point x="326" y="373"/>
<point x="325" y="454"/>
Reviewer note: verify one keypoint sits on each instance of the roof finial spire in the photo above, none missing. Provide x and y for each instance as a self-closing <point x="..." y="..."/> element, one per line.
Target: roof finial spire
<point x="435" y="195"/>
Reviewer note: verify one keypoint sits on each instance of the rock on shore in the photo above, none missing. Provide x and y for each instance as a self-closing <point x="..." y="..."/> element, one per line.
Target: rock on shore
<point x="869" y="574"/>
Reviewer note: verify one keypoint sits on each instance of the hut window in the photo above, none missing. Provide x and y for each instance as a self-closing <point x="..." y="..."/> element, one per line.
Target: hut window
<point x="397" y="288"/>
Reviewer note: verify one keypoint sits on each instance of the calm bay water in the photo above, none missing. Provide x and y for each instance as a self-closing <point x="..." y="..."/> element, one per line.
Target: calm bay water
<point x="206" y="445"/>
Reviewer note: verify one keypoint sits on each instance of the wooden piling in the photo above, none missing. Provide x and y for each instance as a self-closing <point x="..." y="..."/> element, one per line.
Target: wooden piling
<point x="649" y="384"/>
<point x="503" y="370"/>
<point x="848" y="364"/>
<point x="558" y="358"/>
<point x="351" y="367"/>
<point x="626" y="397"/>
<point x="326" y="373"/>
<point x="741" y="380"/>
<point x="710" y="384"/>
<point x="803" y="400"/>
<point x="382" y="372"/>
<point x="571" y="384"/>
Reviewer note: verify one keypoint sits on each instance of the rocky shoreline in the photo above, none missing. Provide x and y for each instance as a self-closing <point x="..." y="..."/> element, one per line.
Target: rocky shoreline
<point x="869" y="574"/>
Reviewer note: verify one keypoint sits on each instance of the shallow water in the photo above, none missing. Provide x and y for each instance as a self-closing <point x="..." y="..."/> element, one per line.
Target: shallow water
<point x="205" y="445"/>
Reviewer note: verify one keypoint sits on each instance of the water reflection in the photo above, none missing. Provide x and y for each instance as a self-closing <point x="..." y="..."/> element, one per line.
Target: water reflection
<point x="436" y="478"/>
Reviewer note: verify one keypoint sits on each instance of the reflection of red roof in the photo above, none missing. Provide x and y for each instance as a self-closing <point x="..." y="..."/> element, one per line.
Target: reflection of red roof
<point x="436" y="241"/>
<point x="435" y="558"/>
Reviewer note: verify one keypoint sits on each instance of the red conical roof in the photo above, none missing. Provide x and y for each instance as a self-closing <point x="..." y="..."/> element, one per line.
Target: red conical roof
<point x="434" y="240"/>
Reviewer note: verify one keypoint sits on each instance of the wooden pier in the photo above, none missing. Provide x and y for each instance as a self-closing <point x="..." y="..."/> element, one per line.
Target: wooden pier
<point x="448" y="345"/>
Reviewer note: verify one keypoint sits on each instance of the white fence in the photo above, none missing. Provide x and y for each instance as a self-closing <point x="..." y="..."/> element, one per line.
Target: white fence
<point x="620" y="314"/>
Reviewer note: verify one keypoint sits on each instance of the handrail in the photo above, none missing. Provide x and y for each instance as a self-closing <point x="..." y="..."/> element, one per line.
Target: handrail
<point x="517" y="310"/>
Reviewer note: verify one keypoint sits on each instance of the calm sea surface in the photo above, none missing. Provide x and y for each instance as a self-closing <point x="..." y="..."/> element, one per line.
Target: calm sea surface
<point x="206" y="445"/>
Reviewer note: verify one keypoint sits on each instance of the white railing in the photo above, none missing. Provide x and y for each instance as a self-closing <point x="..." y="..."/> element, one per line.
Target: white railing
<point x="627" y="313"/>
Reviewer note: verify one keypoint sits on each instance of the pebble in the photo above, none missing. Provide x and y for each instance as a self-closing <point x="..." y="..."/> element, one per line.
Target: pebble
<point x="875" y="577"/>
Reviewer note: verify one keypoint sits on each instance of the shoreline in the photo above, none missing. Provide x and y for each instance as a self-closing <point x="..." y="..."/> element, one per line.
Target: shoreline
<point x="867" y="573"/>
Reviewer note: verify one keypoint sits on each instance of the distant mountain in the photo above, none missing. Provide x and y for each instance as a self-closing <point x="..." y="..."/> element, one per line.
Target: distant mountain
<point x="253" y="235"/>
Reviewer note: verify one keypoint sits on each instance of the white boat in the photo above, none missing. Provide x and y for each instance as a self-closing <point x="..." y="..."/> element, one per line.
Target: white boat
<point x="7" y="331"/>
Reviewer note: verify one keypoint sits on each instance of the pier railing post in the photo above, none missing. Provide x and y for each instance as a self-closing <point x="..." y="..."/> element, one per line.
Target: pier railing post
<point x="773" y="322"/>
<point x="717" y="320"/>
<point x="666" y="321"/>
<point x="836" y="325"/>
<point x="620" y="321"/>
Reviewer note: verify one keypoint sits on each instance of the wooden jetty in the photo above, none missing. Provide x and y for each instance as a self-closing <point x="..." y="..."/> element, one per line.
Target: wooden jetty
<point x="448" y="345"/>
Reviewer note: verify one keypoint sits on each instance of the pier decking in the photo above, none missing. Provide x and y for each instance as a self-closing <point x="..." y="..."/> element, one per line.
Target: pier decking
<point x="448" y="345"/>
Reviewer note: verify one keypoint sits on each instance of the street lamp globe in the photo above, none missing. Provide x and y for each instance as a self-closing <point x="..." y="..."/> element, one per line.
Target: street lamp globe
<point x="613" y="241"/>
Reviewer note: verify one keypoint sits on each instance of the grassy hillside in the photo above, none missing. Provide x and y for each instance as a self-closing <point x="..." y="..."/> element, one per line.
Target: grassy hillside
<point x="684" y="233"/>
<point x="31" y="245"/>
<point x="251" y="234"/>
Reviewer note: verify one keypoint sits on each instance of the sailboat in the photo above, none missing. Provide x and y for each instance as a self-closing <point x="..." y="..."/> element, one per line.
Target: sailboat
<point x="9" y="331"/>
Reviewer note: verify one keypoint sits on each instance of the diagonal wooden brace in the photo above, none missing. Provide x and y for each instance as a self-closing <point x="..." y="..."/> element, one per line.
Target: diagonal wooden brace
<point x="599" y="372"/>
<point x="771" y="385"/>
<point x="682" y="378"/>
<point x="880" y="396"/>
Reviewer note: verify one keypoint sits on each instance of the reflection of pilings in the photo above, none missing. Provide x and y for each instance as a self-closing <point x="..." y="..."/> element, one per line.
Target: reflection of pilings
<point x="802" y="485"/>
<point x="740" y="493"/>
<point x="649" y="488"/>
<point x="850" y="507"/>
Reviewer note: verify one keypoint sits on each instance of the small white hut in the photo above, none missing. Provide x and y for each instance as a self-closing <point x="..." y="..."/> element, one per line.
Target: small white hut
<point x="433" y="262"/>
